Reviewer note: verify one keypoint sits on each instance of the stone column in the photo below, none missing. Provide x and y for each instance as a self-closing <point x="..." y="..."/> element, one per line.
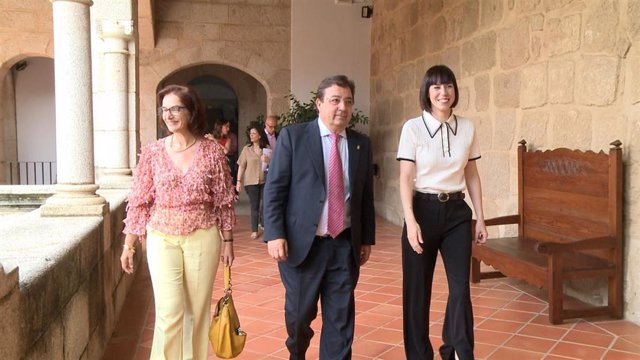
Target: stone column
<point x="112" y="123"/>
<point x="76" y="189"/>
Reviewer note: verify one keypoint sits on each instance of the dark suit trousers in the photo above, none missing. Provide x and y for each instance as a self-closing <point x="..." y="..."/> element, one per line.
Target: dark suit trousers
<point x="328" y="273"/>
<point x="445" y="227"/>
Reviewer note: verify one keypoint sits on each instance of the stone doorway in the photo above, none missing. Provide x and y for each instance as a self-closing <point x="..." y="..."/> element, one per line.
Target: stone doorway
<point x="226" y="92"/>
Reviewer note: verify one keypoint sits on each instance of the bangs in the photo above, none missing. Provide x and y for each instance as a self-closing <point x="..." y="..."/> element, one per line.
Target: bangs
<point x="440" y="79"/>
<point x="440" y="75"/>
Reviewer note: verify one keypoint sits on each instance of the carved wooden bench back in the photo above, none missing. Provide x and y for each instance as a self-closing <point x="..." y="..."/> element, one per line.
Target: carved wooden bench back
<point x="569" y="227"/>
<point x="567" y="195"/>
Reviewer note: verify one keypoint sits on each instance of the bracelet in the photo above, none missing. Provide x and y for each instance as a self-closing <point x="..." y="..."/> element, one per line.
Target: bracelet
<point x="227" y="240"/>
<point x="131" y="248"/>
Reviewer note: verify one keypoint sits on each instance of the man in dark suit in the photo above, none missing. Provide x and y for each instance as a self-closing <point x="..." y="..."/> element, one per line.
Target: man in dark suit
<point x="316" y="259"/>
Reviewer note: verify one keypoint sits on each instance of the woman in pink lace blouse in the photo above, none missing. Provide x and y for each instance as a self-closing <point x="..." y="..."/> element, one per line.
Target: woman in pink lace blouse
<point x="182" y="201"/>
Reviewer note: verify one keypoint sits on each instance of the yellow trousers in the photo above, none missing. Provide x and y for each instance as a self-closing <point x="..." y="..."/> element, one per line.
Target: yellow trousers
<point x="182" y="271"/>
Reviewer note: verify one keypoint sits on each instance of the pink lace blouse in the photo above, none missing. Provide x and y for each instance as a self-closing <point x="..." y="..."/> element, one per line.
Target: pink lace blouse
<point x="175" y="203"/>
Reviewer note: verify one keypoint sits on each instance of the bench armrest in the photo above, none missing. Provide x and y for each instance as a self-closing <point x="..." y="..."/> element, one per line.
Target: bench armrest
<point x="501" y="220"/>
<point x="601" y="242"/>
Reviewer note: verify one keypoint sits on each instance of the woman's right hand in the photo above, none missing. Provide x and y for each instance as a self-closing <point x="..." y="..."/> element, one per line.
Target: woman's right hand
<point x="128" y="250"/>
<point x="414" y="234"/>
<point x="227" y="255"/>
<point x="126" y="259"/>
<point x="238" y="187"/>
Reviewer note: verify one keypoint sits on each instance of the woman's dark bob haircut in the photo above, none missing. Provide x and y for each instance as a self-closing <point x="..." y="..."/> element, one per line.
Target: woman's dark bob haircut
<point x="438" y="74"/>
<point x="197" y="123"/>
<point x="263" y="142"/>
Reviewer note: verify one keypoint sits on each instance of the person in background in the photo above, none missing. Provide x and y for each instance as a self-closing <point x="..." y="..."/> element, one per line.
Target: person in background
<point x="320" y="220"/>
<point x="270" y="126"/>
<point x="221" y="129"/>
<point x="224" y="136"/>
<point x="232" y="153"/>
<point x="437" y="153"/>
<point x="182" y="202"/>
<point x="251" y="165"/>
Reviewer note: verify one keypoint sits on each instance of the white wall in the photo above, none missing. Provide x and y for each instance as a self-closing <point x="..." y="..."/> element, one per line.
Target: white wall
<point x="35" y="111"/>
<point x="329" y="39"/>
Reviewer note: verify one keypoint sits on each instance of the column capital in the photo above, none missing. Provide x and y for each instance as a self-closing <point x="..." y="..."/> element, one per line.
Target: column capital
<point x="85" y="2"/>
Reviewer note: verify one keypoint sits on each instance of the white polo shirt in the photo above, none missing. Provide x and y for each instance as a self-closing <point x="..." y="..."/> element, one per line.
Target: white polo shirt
<point x="439" y="150"/>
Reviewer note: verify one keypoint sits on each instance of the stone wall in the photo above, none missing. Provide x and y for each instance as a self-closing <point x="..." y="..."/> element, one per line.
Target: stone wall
<point x="557" y="73"/>
<point x="63" y="301"/>
<point x="254" y="37"/>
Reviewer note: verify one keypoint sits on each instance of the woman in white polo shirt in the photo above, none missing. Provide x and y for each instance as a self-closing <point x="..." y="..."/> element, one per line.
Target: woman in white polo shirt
<point x="437" y="154"/>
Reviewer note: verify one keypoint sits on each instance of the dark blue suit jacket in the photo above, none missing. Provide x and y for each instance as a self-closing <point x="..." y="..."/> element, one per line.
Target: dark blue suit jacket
<point x="295" y="190"/>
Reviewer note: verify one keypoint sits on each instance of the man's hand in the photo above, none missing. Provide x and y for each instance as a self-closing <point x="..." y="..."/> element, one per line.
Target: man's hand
<point x="365" y="252"/>
<point x="278" y="249"/>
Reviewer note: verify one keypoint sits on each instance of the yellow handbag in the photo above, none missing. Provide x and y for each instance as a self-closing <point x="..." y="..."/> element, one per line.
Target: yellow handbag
<point x="225" y="334"/>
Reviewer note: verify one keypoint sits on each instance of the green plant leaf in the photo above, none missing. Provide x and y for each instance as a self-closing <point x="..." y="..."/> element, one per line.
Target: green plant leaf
<point x="301" y="112"/>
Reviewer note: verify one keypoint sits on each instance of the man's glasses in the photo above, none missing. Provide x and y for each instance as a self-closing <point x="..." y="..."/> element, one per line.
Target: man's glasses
<point x="174" y="110"/>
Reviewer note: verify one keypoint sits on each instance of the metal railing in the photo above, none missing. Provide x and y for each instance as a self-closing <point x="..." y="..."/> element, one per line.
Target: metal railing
<point x="30" y="172"/>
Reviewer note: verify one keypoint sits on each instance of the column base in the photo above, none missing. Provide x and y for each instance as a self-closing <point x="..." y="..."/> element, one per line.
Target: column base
<point x="75" y="200"/>
<point x="116" y="179"/>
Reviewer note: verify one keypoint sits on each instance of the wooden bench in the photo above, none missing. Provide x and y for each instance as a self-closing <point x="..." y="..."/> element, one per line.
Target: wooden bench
<point x="569" y="227"/>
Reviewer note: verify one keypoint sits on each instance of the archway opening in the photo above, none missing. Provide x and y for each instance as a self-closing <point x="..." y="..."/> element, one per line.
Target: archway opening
<point x="226" y="92"/>
<point x="29" y="122"/>
<point x="219" y="100"/>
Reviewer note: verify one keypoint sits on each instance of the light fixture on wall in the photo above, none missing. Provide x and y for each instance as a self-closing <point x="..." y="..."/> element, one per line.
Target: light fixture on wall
<point x="367" y="11"/>
<point x="20" y="65"/>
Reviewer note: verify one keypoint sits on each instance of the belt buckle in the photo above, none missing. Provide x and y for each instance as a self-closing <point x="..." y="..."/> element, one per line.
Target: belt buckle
<point x="443" y="197"/>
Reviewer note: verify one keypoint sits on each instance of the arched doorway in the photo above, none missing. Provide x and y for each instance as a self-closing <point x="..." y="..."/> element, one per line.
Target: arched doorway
<point x="226" y="91"/>
<point x="29" y="122"/>
<point x="219" y="100"/>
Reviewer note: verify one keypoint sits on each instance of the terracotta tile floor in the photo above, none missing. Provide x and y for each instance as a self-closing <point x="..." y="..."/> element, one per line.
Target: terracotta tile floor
<point x="510" y="317"/>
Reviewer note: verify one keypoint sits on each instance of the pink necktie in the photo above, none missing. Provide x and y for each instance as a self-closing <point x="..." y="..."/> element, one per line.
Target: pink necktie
<point x="335" y="220"/>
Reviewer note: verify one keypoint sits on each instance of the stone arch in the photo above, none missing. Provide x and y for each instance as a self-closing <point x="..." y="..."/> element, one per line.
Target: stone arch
<point x="27" y="119"/>
<point x="275" y="84"/>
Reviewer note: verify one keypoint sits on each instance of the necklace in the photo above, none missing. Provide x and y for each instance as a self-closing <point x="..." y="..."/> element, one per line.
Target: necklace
<point x="181" y="150"/>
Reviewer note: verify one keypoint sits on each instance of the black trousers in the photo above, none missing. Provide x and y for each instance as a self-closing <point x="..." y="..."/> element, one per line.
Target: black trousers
<point x="329" y="273"/>
<point x="233" y="167"/>
<point x="255" y="199"/>
<point x="446" y="227"/>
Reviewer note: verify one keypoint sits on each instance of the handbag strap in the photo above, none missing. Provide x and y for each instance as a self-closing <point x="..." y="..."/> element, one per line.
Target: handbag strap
<point x="227" y="279"/>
